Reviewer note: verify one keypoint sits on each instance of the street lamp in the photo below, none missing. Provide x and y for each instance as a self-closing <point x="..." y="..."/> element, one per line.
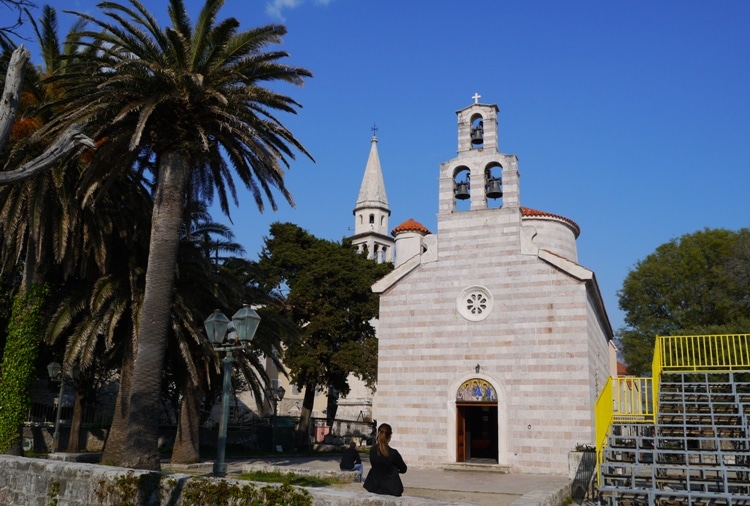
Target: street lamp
<point x="226" y="340"/>
<point x="275" y="395"/>
<point x="54" y="369"/>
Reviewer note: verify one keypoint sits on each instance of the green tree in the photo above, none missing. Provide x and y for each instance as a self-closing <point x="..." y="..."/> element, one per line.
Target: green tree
<point x="695" y="284"/>
<point x="329" y="297"/>
<point x="194" y="97"/>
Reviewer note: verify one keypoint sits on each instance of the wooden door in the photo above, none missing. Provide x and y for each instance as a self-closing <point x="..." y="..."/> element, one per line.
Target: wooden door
<point x="460" y="434"/>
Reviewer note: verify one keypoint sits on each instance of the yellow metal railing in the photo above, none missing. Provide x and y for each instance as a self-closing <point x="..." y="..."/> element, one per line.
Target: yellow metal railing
<point x="725" y="352"/>
<point x="623" y="400"/>
<point x="602" y="421"/>
<point x="636" y="400"/>
<point x="656" y="368"/>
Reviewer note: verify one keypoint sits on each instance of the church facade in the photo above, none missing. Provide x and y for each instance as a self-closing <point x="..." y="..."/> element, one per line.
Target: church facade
<point x="494" y="343"/>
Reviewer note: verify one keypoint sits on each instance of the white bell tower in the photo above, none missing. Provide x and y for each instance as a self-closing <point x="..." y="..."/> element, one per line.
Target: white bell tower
<point x="371" y="211"/>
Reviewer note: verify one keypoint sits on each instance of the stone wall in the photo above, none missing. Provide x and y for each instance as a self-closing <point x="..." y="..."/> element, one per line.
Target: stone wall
<point x="40" y="482"/>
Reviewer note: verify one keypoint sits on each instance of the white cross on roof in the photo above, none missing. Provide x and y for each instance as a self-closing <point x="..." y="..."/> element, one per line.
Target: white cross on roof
<point x="476" y="97"/>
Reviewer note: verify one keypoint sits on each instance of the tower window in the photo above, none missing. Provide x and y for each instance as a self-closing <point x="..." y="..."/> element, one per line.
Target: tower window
<point x="372" y="219"/>
<point x="493" y="185"/>
<point x="477" y="132"/>
<point x="461" y="188"/>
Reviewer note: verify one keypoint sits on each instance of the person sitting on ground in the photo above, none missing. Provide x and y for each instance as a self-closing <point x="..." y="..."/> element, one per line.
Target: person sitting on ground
<point x="386" y="465"/>
<point x="350" y="460"/>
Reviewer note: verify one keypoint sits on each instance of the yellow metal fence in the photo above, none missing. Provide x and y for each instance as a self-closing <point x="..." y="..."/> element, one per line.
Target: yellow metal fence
<point x="726" y="352"/>
<point x="635" y="400"/>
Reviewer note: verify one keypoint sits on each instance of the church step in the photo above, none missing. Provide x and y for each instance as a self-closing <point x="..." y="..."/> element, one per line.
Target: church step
<point x="477" y="467"/>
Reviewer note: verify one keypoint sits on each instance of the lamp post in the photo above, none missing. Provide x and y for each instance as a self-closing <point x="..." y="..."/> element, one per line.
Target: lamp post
<point x="245" y="322"/>
<point x="55" y="371"/>
<point x="275" y="395"/>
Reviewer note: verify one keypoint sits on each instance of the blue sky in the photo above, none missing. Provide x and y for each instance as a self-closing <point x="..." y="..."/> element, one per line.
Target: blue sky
<point x="630" y="118"/>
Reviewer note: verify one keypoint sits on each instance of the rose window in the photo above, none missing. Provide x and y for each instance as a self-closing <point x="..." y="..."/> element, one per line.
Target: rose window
<point x="474" y="303"/>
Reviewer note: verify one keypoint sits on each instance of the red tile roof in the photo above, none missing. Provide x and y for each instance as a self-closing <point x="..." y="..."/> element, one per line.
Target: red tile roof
<point x="410" y="226"/>
<point x="533" y="213"/>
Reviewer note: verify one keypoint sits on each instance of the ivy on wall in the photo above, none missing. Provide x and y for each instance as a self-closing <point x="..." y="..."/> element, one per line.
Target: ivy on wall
<point x="17" y="368"/>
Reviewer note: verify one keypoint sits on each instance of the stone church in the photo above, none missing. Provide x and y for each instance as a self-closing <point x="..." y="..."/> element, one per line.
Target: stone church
<point x="494" y="342"/>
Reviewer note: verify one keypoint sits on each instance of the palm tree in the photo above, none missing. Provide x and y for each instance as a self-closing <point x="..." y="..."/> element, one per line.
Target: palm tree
<point x="38" y="214"/>
<point x="37" y="218"/>
<point x="96" y="313"/>
<point x="193" y="96"/>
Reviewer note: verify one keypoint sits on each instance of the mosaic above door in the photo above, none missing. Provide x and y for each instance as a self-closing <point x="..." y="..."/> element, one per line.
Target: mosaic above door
<point x="476" y="390"/>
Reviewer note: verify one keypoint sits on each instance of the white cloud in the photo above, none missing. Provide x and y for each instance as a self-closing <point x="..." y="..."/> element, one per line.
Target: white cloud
<point x="274" y="8"/>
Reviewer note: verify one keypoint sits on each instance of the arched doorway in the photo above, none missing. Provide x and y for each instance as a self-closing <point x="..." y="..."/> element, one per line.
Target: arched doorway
<point x="476" y="422"/>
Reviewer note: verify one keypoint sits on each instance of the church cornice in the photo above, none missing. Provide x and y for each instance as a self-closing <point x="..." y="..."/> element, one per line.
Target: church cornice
<point x="478" y="105"/>
<point x="385" y="238"/>
<point x="371" y="205"/>
<point x="396" y="274"/>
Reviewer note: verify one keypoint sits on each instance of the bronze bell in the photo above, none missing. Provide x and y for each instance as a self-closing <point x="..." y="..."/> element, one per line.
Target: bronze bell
<point x="462" y="191"/>
<point x="494" y="188"/>
<point x="477" y="135"/>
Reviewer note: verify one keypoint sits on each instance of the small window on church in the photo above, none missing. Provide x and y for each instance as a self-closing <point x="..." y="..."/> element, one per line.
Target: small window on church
<point x="474" y="303"/>
<point x="361" y="219"/>
<point x="372" y="219"/>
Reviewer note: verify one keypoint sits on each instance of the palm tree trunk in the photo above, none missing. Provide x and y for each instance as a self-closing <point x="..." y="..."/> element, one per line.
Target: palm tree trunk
<point x="118" y="431"/>
<point x="142" y="451"/>
<point x="74" y="438"/>
<point x="186" y="449"/>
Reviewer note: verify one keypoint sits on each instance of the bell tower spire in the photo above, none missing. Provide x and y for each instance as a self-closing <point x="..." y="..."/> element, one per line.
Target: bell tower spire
<point x="371" y="211"/>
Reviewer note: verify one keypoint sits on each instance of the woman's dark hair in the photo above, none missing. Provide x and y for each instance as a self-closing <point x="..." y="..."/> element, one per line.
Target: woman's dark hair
<point x="383" y="438"/>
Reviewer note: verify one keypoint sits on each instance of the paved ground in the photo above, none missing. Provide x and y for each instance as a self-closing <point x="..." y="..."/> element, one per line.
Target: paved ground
<point x="480" y="488"/>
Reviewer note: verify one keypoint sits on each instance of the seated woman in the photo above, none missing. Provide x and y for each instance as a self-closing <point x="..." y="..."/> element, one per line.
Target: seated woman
<point x="387" y="464"/>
